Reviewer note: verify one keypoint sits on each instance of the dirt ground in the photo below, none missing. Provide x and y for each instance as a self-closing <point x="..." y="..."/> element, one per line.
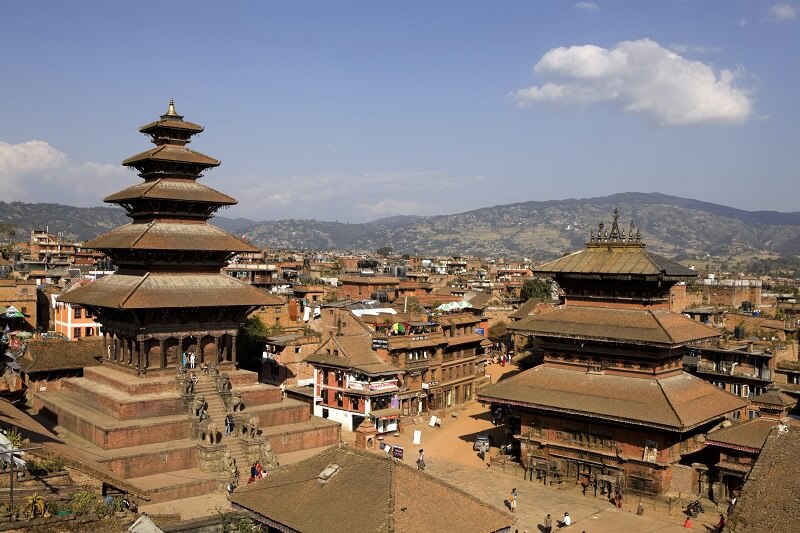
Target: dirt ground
<point x="454" y="439"/>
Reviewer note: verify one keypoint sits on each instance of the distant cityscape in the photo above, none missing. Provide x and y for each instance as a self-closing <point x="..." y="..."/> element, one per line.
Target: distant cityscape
<point x="169" y="362"/>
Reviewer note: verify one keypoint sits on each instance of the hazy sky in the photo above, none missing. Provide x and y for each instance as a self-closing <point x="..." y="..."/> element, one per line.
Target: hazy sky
<point x="354" y="110"/>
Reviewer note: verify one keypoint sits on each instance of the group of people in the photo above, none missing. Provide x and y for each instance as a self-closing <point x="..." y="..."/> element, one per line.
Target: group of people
<point x="504" y="358"/>
<point x="257" y="472"/>
<point x="547" y="527"/>
<point x="229" y="424"/>
<point x="188" y="360"/>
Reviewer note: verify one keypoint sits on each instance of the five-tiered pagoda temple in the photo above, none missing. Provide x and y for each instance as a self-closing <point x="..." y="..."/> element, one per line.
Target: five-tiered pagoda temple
<point x="141" y="422"/>
<point x="169" y="296"/>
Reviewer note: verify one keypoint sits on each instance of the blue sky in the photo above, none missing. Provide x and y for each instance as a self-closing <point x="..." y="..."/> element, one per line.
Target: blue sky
<point x="354" y="110"/>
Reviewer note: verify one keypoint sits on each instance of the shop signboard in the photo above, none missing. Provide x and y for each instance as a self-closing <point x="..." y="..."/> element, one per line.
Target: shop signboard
<point x="383" y="385"/>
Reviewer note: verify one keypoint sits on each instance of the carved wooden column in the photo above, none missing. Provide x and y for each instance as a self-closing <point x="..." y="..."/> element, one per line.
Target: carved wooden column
<point x="106" y="345"/>
<point x="163" y="353"/>
<point x="233" y="348"/>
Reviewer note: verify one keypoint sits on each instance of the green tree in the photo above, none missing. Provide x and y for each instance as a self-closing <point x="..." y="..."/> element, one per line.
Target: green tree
<point x="250" y="343"/>
<point x="384" y="251"/>
<point x="535" y="288"/>
<point x="6" y="244"/>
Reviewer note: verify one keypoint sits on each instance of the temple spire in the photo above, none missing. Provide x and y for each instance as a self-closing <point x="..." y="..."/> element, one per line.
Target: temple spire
<point x="171" y="113"/>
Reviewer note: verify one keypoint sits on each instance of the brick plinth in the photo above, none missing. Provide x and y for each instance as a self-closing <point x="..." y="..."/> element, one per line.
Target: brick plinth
<point x="123" y="407"/>
<point x="154" y="462"/>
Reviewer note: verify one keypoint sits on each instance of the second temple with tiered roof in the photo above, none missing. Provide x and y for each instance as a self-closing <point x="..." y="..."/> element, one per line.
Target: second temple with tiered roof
<point x="611" y="402"/>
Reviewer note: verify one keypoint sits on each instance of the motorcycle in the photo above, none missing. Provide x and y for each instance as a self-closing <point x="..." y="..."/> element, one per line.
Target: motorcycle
<point x="695" y="508"/>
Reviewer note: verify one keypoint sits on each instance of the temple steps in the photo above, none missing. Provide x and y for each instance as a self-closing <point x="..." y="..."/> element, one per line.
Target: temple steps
<point x="140" y="429"/>
<point x="176" y="484"/>
<point x="106" y="431"/>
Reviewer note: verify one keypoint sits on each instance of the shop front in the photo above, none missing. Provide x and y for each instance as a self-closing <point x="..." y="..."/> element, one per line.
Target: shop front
<point x="386" y="420"/>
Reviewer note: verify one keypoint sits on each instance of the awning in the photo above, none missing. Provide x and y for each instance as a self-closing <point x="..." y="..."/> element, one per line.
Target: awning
<point x="384" y="414"/>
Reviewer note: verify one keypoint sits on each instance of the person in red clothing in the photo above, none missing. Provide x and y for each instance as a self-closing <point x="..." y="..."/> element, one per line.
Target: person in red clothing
<point x="687" y="523"/>
<point x="721" y="523"/>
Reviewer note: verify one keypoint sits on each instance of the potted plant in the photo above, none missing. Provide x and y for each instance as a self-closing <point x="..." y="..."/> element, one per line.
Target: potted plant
<point x="34" y="505"/>
<point x="119" y="507"/>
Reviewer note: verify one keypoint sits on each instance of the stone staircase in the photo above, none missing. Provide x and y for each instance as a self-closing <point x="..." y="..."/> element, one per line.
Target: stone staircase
<point x="237" y="448"/>
<point x="217" y="412"/>
<point x="141" y="430"/>
<point x="216" y="409"/>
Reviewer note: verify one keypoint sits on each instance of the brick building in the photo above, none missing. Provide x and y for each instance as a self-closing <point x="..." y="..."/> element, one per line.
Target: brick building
<point x="73" y="321"/>
<point x="610" y="402"/>
<point x="22" y="295"/>
<point x="351" y="384"/>
<point x="737" y="446"/>
<point x="382" y="288"/>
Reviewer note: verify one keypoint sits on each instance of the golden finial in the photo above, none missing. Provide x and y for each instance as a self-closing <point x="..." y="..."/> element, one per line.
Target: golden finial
<point x="171" y="111"/>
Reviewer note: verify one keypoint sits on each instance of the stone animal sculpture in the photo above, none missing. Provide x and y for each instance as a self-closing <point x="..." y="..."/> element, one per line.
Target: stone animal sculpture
<point x="224" y="383"/>
<point x="268" y="457"/>
<point x="198" y="405"/>
<point x="229" y="465"/>
<point x="252" y="427"/>
<point x="236" y="402"/>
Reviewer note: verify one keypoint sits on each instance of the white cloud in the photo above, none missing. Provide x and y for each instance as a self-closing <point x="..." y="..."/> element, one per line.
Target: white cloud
<point x="34" y="171"/>
<point x="681" y="48"/>
<point x="782" y="12"/>
<point x="640" y="77"/>
<point x="587" y="6"/>
<point x="743" y="22"/>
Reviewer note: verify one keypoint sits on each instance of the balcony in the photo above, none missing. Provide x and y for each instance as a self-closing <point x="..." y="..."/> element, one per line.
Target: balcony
<point x="417" y="363"/>
<point x="727" y="368"/>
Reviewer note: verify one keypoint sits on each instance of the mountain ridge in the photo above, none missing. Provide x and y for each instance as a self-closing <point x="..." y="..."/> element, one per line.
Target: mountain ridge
<point x="670" y="225"/>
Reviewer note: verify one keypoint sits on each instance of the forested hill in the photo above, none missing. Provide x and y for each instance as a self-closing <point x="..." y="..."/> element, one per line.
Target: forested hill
<point x="670" y="225"/>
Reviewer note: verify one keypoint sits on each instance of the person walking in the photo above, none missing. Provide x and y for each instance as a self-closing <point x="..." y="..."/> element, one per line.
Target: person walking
<point x="548" y="524"/>
<point x="228" y="424"/>
<point x="421" y="460"/>
<point x="512" y="501"/>
<point x="191" y="360"/>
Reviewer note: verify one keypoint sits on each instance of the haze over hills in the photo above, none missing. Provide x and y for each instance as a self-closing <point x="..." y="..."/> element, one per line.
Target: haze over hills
<point x="669" y="225"/>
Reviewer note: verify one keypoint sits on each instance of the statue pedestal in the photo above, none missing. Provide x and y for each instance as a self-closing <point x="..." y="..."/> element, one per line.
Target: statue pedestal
<point x="210" y="457"/>
<point x="252" y="448"/>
